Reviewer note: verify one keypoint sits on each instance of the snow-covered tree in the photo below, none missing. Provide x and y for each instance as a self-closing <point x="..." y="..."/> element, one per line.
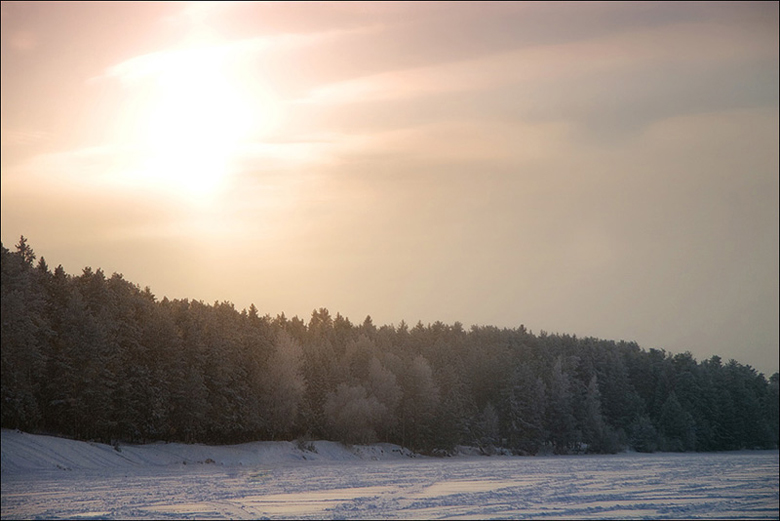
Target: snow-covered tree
<point x="560" y="418"/>
<point x="596" y="433"/>
<point x="284" y="386"/>
<point x="383" y="385"/>
<point x="418" y="404"/>
<point x="352" y="415"/>
<point x="525" y="402"/>
<point x="677" y="426"/>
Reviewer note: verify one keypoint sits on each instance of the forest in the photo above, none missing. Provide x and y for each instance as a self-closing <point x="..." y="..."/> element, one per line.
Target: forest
<point x="98" y="358"/>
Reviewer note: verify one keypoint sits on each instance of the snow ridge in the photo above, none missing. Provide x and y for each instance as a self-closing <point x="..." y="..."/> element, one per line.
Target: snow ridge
<point x="24" y="452"/>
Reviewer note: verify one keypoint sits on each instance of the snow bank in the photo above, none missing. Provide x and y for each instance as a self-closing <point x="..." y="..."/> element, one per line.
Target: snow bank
<point x="467" y="450"/>
<point x="22" y="451"/>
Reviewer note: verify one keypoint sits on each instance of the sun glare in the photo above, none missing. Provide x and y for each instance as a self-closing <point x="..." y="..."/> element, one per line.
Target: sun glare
<point x="195" y="116"/>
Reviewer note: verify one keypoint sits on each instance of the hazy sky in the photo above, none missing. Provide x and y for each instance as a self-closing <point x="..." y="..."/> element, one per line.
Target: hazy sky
<point x="598" y="169"/>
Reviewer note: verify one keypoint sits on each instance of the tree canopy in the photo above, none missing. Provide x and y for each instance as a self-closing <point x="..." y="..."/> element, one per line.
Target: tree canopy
<point x="98" y="358"/>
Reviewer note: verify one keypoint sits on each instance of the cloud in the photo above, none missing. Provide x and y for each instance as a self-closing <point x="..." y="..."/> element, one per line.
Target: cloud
<point x="646" y="59"/>
<point x="214" y="49"/>
<point x="23" y="137"/>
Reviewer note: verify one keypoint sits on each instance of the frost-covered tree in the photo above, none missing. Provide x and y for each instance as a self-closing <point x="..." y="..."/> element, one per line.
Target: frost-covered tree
<point x="643" y="435"/>
<point x="596" y="433"/>
<point x="24" y="332"/>
<point x="96" y="357"/>
<point x="284" y="387"/>
<point x="457" y="415"/>
<point x="352" y="415"/>
<point x="560" y="417"/>
<point x="773" y="408"/>
<point x="418" y="405"/>
<point x="525" y="402"/>
<point x="489" y="433"/>
<point x="677" y="426"/>
<point x="358" y="354"/>
<point x="383" y="385"/>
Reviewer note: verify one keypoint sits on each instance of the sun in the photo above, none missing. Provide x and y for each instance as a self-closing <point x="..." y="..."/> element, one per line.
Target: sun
<point x="195" y="112"/>
<point x="195" y="125"/>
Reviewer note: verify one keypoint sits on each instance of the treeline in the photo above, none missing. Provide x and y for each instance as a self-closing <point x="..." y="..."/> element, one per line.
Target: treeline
<point x="98" y="358"/>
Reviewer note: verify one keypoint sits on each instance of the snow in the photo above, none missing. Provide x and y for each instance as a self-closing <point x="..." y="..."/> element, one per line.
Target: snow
<point x="22" y="451"/>
<point x="48" y="477"/>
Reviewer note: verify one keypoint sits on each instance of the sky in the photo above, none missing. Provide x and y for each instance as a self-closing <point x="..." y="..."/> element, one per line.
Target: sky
<point x="596" y="169"/>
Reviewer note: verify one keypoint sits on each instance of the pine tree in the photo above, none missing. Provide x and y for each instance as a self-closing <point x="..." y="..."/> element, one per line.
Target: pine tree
<point x="98" y="358"/>
<point x="597" y="434"/>
<point x="560" y="418"/>
<point x="772" y="408"/>
<point x="525" y="405"/>
<point x="23" y="335"/>
<point x="383" y="385"/>
<point x="418" y="405"/>
<point x="489" y="432"/>
<point x="284" y="387"/>
<point x="677" y="426"/>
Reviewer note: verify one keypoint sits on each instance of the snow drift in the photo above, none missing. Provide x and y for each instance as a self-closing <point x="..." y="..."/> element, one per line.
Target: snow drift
<point x="22" y="451"/>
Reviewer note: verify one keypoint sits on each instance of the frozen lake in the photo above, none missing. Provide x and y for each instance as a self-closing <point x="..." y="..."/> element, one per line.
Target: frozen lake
<point x="724" y="485"/>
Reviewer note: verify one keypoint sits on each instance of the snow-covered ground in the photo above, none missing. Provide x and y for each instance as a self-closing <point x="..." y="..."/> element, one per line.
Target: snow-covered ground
<point x="47" y="477"/>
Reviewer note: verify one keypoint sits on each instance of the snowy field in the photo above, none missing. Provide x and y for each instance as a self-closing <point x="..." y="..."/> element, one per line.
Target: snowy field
<point x="45" y="477"/>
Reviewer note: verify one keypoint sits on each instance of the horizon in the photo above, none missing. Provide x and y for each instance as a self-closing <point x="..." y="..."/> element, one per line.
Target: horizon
<point x="357" y="321"/>
<point x="599" y="170"/>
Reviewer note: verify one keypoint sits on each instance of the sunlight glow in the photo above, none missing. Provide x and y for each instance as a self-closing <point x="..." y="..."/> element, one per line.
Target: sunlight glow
<point x="196" y="113"/>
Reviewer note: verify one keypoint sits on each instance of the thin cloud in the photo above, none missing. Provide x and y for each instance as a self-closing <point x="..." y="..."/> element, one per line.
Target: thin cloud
<point x="12" y="137"/>
<point x="78" y="169"/>
<point x="157" y="62"/>
<point x="671" y="44"/>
